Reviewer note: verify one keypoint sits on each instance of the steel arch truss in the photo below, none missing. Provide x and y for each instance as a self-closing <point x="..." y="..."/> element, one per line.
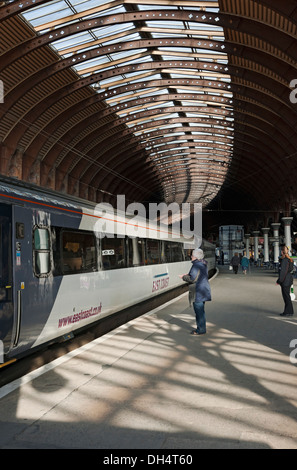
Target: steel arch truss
<point x="158" y="99"/>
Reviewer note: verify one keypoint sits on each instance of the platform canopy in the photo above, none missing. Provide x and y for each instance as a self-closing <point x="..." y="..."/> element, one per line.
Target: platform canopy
<point x="160" y="100"/>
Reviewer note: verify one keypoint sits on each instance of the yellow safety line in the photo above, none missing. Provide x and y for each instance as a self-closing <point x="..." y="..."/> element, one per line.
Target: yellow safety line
<point x="7" y="363"/>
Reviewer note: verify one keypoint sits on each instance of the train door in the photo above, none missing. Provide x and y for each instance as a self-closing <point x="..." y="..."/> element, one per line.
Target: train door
<point x="6" y="290"/>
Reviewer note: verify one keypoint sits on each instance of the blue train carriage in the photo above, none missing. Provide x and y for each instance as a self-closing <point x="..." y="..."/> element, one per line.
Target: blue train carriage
<point x="59" y="273"/>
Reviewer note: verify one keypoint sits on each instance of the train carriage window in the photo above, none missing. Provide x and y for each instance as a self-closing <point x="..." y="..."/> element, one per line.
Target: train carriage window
<point x="153" y="255"/>
<point x="41" y="251"/>
<point x="166" y="252"/>
<point x="78" y="252"/>
<point x="136" y="248"/>
<point x="173" y="252"/>
<point x="113" y="253"/>
<point x="187" y="254"/>
<point x="177" y="252"/>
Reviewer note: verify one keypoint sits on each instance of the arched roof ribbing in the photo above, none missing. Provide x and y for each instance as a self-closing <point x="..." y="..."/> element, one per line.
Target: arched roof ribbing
<point x="185" y="101"/>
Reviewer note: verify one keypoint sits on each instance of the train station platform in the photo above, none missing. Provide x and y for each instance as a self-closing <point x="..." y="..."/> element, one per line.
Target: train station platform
<point x="151" y="385"/>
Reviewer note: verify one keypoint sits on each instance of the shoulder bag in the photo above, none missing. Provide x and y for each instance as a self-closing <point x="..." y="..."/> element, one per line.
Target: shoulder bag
<point x="192" y="289"/>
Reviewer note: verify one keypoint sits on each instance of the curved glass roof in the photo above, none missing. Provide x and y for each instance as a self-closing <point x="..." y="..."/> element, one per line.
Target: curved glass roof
<point x="162" y="68"/>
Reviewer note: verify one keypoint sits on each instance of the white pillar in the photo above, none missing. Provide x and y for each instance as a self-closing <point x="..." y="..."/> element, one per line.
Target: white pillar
<point x="275" y="227"/>
<point x="247" y="245"/>
<point x="256" y="245"/>
<point x="266" y="246"/>
<point x="287" y="221"/>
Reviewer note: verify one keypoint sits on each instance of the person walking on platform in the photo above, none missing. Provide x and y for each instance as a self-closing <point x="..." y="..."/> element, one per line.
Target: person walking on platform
<point x="235" y="262"/>
<point x="285" y="280"/>
<point x="198" y="278"/>
<point x="244" y="263"/>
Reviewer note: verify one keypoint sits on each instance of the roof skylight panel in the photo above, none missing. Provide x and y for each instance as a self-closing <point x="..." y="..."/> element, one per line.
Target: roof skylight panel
<point x="161" y="132"/>
<point x="198" y="74"/>
<point x="164" y="159"/>
<point x="209" y="4"/>
<point x="57" y="14"/>
<point x="187" y="53"/>
<point x="200" y="91"/>
<point x="161" y="153"/>
<point x="200" y="114"/>
<point x="105" y="31"/>
<point x="102" y="9"/>
<point x="134" y="94"/>
<point x="122" y="36"/>
<point x="87" y="40"/>
<point x="178" y="25"/>
<point x="72" y="41"/>
<point x="170" y="58"/>
<point x="177" y="132"/>
<point x="209" y="28"/>
<point x="167" y="31"/>
<point x="146" y="120"/>
<point x="154" y="6"/>
<point x="130" y="78"/>
<point x="140" y="106"/>
<point x="150" y="93"/>
<point x="172" y="34"/>
<point x="91" y="65"/>
<point x="139" y="109"/>
<point x="116" y="56"/>
<point x="174" y="50"/>
<point x="161" y="116"/>
<point x="141" y="77"/>
<point x="105" y="63"/>
<point x="177" y="162"/>
<point x="48" y="12"/>
<point x="160" y="105"/>
<point x="83" y="5"/>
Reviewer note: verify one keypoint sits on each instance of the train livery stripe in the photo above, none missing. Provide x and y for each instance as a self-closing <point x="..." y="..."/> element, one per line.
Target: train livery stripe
<point x="81" y="213"/>
<point x="41" y="204"/>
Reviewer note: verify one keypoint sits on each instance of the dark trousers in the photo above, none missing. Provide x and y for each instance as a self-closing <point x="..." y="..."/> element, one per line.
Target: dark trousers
<point x="287" y="299"/>
<point x="200" y="317"/>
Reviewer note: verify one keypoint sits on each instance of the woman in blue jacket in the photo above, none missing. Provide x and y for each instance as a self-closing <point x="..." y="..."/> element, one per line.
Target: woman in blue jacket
<point x="199" y="274"/>
<point x="244" y="263"/>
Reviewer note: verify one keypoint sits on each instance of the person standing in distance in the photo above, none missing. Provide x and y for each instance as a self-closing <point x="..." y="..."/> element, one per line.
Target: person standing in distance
<point x="285" y="280"/>
<point x="235" y="262"/>
<point x="198" y="274"/>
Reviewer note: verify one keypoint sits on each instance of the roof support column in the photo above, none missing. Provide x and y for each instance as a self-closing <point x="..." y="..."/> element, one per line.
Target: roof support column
<point x="256" y="244"/>
<point x="275" y="227"/>
<point x="247" y="245"/>
<point x="34" y="173"/>
<point x="266" y="246"/>
<point x="287" y="221"/>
